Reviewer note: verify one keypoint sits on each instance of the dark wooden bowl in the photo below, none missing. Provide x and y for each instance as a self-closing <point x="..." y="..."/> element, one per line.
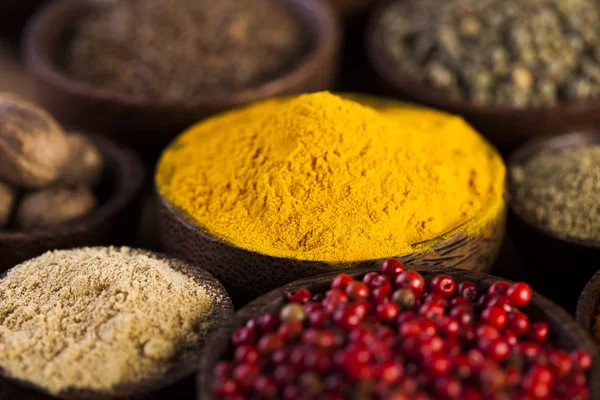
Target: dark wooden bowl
<point x="505" y="126"/>
<point x="351" y="8"/>
<point x="565" y="331"/>
<point x="18" y="8"/>
<point x="247" y="274"/>
<point x="114" y="221"/>
<point x="588" y="306"/>
<point x="162" y="387"/>
<point x="146" y="122"/>
<point x="555" y="254"/>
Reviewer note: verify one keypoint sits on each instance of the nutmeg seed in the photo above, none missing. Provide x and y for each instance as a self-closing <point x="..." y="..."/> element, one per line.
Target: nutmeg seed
<point x="33" y="146"/>
<point x="7" y="201"/>
<point x="85" y="161"/>
<point x="50" y="207"/>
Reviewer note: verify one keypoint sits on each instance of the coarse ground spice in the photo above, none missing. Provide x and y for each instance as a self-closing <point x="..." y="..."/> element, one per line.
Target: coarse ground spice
<point x="173" y="49"/>
<point x="320" y="177"/>
<point x="560" y="191"/>
<point x="93" y="318"/>
<point x="517" y="53"/>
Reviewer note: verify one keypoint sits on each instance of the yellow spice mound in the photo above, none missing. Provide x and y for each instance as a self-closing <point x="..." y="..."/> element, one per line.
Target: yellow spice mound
<point x="319" y="177"/>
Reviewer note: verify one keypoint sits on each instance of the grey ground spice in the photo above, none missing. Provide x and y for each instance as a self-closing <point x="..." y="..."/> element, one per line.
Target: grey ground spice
<point x="173" y="49"/>
<point x="517" y="53"/>
<point x="560" y="190"/>
<point x="96" y="317"/>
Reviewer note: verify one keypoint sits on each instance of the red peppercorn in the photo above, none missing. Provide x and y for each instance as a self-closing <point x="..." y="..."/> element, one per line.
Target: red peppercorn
<point x="520" y="294"/>
<point x="387" y="311"/>
<point x="410" y="279"/>
<point x="438" y="365"/>
<point x="539" y="332"/>
<point x="341" y="281"/>
<point x="300" y="296"/>
<point x="448" y="326"/>
<point x="350" y="316"/>
<point x="581" y="360"/>
<point x="518" y="323"/>
<point x="494" y="316"/>
<point x="468" y="291"/>
<point x="447" y="388"/>
<point x="357" y="290"/>
<point x="265" y="387"/>
<point x="432" y="310"/>
<point x="560" y="361"/>
<point x="392" y="268"/>
<point x="243" y="336"/>
<point x="226" y="387"/>
<point x="244" y="374"/>
<point x="498" y="288"/>
<point x="268" y="322"/>
<point x="270" y="342"/>
<point x="389" y="372"/>
<point x="381" y="294"/>
<point x="442" y="285"/>
<point x="246" y="354"/>
<point x="499" y="349"/>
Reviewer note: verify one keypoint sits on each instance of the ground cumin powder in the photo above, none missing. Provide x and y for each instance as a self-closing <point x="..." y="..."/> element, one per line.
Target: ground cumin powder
<point x="92" y="318"/>
<point x="320" y="177"/>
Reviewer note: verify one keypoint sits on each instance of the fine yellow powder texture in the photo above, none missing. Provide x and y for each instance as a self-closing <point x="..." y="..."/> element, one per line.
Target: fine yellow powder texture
<point x="93" y="318"/>
<point x="320" y="177"/>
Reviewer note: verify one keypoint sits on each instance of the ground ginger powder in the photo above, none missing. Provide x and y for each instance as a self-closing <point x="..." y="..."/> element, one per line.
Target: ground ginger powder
<point x="93" y="318"/>
<point x="320" y="177"/>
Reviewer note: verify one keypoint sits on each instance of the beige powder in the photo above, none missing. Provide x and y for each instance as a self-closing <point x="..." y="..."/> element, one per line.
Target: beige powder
<point x="93" y="318"/>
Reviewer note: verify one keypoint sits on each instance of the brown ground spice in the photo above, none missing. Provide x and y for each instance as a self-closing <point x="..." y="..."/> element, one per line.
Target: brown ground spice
<point x="93" y="318"/>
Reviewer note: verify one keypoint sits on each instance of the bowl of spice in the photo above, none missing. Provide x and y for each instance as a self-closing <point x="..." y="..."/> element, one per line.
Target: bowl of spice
<point x="105" y="323"/>
<point x="588" y="307"/>
<point x="319" y="182"/>
<point x="514" y="69"/>
<point x="60" y="189"/>
<point x="554" y="187"/>
<point x="392" y="333"/>
<point x="147" y="69"/>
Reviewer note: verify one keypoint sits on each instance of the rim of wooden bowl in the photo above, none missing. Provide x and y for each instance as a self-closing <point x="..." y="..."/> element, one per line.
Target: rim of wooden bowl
<point x="571" y="334"/>
<point x="408" y="85"/>
<point x="316" y="15"/>
<point x="588" y="305"/>
<point x="537" y="146"/>
<point x="125" y="166"/>
<point x="187" y="363"/>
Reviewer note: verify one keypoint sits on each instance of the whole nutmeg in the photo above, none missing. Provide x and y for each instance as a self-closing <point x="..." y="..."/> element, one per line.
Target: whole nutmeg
<point x="7" y="201"/>
<point x="85" y="162"/>
<point x="53" y="206"/>
<point x="33" y="146"/>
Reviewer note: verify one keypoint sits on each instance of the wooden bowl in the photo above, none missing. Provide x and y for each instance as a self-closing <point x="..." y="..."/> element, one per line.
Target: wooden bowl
<point x="162" y="387"/>
<point x="351" y="8"/>
<point x="566" y="333"/>
<point x="557" y="255"/>
<point x="247" y="274"/>
<point x="588" y="306"/>
<point x="113" y="221"/>
<point x="505" y="126"/>
<point x="12" y="8"/>
<point x="146" y="122"/>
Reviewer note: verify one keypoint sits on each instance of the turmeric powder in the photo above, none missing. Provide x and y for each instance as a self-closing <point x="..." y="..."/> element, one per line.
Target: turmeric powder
<point x="321" y="177"/>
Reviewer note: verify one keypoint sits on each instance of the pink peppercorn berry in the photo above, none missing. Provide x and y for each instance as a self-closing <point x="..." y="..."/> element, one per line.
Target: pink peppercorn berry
<point x="395" y="335"/>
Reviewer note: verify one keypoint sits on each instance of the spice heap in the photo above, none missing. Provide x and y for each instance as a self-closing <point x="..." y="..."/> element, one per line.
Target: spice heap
<point x="52" y="172"/>
<point x="560" y="191"/>
<point x="174" y="49"/>
<point x="319" y="177"/>
<point x="517" y="53"/>
<point x="395" y="335"/>
<point x="93" y="318"/>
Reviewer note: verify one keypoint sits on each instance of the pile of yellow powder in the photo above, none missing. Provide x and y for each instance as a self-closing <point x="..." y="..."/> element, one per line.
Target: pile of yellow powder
<point x="320" y="177"/>
<point x="93" y="318"/>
